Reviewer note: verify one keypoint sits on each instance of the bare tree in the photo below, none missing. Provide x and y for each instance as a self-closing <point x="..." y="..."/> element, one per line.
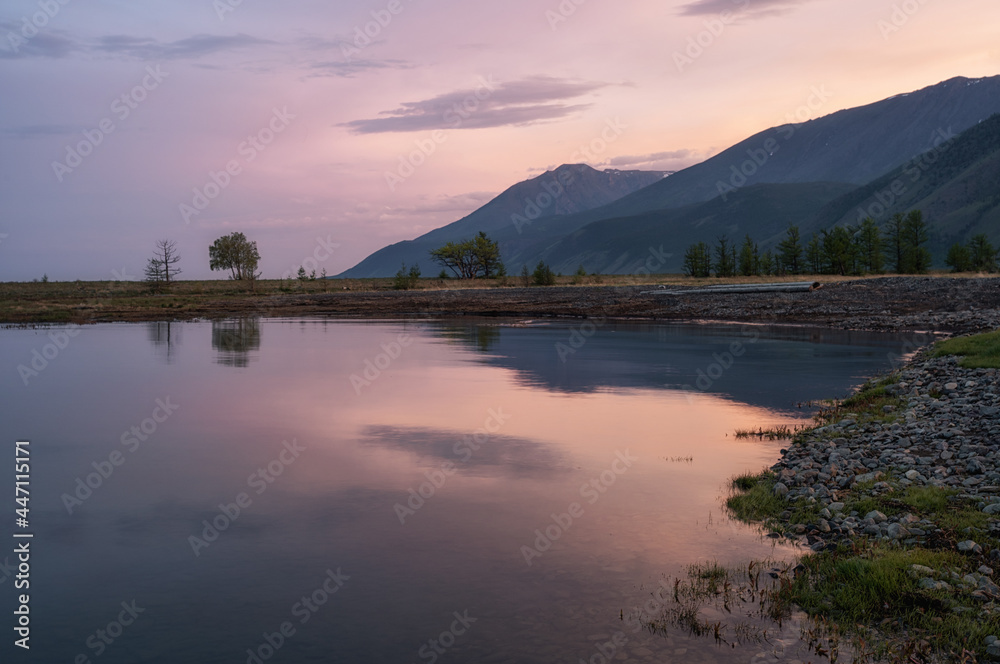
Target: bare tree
<point x="160" y="268"/>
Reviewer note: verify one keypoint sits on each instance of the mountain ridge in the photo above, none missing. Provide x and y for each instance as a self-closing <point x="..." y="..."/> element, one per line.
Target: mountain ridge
<point x="565" y="190"/>
<point x="848" y="148"/>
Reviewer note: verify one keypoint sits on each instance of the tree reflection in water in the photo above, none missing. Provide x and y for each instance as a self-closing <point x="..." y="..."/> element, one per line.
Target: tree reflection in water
<point x="236" y="340"/>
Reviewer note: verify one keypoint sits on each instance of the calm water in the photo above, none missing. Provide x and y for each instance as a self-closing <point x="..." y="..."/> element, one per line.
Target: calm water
<point x="390" y="516"/>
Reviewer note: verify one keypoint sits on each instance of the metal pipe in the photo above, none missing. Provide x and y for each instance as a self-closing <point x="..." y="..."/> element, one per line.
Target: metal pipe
<point x="785" y="287"/>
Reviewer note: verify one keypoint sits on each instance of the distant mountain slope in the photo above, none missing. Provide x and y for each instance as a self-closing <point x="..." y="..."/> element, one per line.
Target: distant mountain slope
<point x="850" y="147"/>
<point x="855" y="146"/>
<point x="956" y="185"/>
<point x="623" y="245"/>
<point x="568" y="189"/>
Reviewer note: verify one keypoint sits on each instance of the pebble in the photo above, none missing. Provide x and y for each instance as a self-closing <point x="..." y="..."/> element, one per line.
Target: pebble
<point x="945" y="441"/>
<point x="968" y="546"/>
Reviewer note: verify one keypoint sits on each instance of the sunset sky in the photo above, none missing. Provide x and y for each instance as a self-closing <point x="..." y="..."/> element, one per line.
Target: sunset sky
<point x="115" y="112"/>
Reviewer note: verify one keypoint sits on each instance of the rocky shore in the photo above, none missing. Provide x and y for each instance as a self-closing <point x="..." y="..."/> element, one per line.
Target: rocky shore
<point x="916" y="467"/>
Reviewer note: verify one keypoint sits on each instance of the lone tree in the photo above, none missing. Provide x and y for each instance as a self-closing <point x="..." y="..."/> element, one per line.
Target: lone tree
<point x="479" y="257"/>
<point x="543" y="275"/>
<point x="160" y="268"/>
<point x="235" y="253"/>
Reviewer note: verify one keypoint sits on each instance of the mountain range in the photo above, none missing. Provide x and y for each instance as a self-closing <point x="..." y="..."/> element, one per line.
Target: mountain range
<point x="937" y="149"/>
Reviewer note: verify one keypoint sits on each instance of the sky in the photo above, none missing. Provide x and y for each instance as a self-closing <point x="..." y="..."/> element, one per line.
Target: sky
<point x="326" y="130"/>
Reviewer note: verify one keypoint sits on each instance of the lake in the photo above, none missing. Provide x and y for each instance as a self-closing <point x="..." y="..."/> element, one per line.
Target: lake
<point x="379" y="491"/>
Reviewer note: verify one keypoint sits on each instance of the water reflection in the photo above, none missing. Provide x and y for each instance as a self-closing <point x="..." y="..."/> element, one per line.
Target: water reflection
<point x="769" y="366"/>
<point x="480" y="336"/>
<point x="165" y="337"/>
<point x="476" y="453"/>
<point x="371" y="492"/>
<point x="236" y="340"/>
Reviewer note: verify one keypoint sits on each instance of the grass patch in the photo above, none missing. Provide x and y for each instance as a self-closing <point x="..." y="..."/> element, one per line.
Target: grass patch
<point x="867" y="404"/>
<point x="979" y="351"/>
<point x="868" y="602"/>
<point x="876" y="587"/>
<point x="753" y="498"/>
<point x="959" y="518"/>
<point x="927" y="499"/>
<point x="709" y="577"/>
<point x="781" y="432"/>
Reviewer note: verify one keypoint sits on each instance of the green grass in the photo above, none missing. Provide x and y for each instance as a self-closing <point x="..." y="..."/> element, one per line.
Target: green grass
<point x="746" y="481"/>
<point x="928" y="499"/>
<point x="875" y="588"/>
<point x="930" y="502"/>
<point x="753" y="498"/>
<point x="979" y="351"/>
<point x="958" y="518"/>
<point x="780" y="432"/>
<point x="867" y="404"/>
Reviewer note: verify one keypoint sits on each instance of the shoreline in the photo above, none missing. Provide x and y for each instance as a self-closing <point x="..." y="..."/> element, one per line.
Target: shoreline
<point x="943" y="304"/>
<point x="895" y="498"/>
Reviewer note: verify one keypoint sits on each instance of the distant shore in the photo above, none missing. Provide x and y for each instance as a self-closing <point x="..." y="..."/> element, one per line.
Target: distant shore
<point x="943" y="303"/>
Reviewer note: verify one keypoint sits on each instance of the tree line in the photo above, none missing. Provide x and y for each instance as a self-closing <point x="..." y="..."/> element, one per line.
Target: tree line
<point x="843" y="250"/>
